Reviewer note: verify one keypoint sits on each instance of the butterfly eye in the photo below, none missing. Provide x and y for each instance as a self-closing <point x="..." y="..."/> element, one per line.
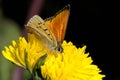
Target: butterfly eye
<point x="60" y="49"/>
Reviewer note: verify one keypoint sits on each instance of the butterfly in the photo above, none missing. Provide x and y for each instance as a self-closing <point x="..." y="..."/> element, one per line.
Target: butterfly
<point x="51" y="31"/>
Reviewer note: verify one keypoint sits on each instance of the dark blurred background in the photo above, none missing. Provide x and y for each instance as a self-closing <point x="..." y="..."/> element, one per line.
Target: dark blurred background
<point x="90" y="23"/>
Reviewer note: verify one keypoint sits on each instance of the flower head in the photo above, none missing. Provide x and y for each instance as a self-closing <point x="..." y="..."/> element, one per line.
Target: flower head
<point x="22" y="50"/>
<point x="72" y="64"/>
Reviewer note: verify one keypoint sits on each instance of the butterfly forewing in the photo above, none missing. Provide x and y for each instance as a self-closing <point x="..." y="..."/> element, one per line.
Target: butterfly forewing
<point x="37" y="26"/>
<point x="58" y="23"/>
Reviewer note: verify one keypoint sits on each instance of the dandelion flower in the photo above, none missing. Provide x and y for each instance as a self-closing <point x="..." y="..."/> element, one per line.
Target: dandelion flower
<point x="71" y="64"/>
<point x="22" y="50"/>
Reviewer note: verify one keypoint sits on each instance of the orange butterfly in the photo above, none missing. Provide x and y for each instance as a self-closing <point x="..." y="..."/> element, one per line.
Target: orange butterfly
<point x="51" y="31"/>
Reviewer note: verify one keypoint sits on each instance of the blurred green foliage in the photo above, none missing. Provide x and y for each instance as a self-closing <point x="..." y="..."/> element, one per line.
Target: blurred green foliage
<point x="9" y="31"/>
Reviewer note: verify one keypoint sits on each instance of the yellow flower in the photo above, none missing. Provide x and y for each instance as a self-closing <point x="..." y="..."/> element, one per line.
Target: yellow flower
<point x="22" y="50"/>
<point x="72" y="64"/>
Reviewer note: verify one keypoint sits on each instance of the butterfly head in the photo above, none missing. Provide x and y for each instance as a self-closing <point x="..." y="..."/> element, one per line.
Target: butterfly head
<point x="59" y="47"/>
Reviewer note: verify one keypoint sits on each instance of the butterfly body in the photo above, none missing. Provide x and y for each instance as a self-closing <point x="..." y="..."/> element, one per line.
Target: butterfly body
<point x="50" y="31"/>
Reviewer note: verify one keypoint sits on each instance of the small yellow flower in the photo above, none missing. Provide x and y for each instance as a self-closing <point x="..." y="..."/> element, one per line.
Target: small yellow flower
<point x="72" y="64"/>
<point x="17" y="52"/>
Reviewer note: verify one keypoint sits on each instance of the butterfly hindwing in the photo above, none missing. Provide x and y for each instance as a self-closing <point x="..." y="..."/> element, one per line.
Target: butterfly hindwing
<point x="37" y="26"/>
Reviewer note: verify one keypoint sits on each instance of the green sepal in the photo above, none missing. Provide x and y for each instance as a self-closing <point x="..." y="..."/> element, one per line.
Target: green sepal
<point x="36" y="70"/>
<point x="40" y="62"/>
<point x="26" y="62"/>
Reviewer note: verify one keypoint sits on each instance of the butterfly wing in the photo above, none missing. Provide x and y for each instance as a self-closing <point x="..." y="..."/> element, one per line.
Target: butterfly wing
<point x="37" y="26"/>
<point x="58" y="23"/>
